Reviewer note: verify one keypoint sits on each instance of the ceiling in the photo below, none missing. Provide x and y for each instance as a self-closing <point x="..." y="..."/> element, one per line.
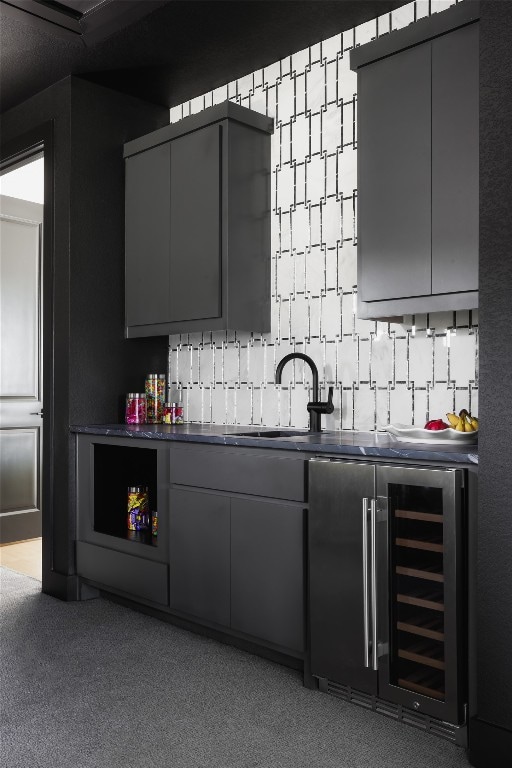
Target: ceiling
<point x="164" y="51"/>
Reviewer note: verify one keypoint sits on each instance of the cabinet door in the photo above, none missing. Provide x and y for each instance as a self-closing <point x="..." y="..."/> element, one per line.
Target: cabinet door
<point x="195" y="251"/>
<point x="199" y="555"/>
<point x="138" y="578"/>
<point x="338" y="572"/>
<point x="147" y="230"/>
<point x="394" y="176"/>
<point x="267" y="571"/>
<point x="455" y="158"/>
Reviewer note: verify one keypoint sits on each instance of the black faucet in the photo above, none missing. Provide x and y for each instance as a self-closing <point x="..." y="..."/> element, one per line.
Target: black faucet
<point x="315" y="407"/>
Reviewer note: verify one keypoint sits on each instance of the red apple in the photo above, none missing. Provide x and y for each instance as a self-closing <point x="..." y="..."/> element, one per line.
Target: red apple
<point x="436" y="424"/>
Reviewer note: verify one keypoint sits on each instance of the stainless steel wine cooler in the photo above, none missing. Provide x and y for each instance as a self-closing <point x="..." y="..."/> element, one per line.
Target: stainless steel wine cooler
<point x="386" y="585"/>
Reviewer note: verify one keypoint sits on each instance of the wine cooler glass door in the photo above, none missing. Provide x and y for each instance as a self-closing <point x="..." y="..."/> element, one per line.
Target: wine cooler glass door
<point x="421" y="661"/>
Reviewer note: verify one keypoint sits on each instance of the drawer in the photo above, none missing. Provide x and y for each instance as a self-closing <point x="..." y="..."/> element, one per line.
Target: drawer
<point x="239" y="471"/>
<point x="139" y="578"/>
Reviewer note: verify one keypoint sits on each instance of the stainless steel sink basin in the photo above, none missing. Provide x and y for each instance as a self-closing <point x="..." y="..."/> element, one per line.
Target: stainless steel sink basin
<point x="270" y="433"/>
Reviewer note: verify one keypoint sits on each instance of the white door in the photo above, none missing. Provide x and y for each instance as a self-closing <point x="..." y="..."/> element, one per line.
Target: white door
<point x="21" y="397"/>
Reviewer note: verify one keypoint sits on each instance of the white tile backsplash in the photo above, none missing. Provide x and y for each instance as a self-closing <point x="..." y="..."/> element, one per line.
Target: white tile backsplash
<point x="404" y="16"/>
<point x="381" y="372"/>
<point x="384" y="24"/>
<point x="331" y="48"/>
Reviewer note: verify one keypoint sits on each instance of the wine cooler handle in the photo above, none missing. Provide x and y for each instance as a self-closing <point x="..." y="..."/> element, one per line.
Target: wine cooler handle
<point x="365" y="585"/>
<point x="373" y="576"/>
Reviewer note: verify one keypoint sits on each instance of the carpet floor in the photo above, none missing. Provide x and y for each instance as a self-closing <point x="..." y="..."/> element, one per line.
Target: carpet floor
<point x="94" y="684"/>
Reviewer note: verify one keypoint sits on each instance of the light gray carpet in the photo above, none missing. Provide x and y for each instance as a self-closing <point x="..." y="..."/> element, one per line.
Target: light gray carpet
<point x="95" y="684"/>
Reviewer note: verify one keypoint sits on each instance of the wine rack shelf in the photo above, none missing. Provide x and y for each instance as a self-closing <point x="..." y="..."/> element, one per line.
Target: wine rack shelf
<point x="426" y="517"/>
<point x="431" y="627"/>
<point x="423" y="573"/>
<point x="430" y="544"/>
<point x="423" y="653"/>
<point x="426" y="685"/>
<point x="435" y="604"/>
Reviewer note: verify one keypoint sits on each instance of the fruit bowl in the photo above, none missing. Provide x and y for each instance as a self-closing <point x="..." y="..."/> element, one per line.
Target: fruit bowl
<point x="411" y="434"/>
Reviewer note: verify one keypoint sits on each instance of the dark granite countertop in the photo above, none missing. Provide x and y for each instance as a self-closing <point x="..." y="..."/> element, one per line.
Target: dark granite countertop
<point x="347" y="443"/>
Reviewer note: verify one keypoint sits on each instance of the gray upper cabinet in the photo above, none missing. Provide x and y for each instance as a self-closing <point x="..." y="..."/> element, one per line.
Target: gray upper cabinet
<point x="197" y="225"/>
<point x="195" y="187"/>
<point x="148" y="236"/>
<point x="418" y="167"/>
<point x="455" y="161"/>
<point x="394" y="190"/>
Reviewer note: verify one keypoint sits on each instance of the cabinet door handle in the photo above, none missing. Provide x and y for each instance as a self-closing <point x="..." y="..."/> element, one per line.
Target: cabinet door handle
<point x="373" y="576"/>
<point x="365" y="585"/>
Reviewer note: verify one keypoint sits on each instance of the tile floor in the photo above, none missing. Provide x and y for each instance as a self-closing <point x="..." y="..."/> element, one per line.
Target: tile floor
<point x="23" y="557"/>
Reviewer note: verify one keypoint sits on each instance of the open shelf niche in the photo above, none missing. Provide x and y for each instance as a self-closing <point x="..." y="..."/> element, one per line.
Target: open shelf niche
<point x="116" y="468"/>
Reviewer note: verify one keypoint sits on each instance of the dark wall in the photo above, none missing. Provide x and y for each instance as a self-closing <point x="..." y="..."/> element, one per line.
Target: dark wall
<point x="103" y="120"/>
<point x="494" y="547"/>
<point x="87" y="363"/>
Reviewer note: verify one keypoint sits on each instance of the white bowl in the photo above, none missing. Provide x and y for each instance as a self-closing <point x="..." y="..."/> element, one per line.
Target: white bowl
<point x="411" y="434"/>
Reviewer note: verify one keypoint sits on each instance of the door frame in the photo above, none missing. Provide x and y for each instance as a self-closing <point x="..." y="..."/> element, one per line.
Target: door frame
<point x="21" y="521"/>
<point x="13" y="153"/>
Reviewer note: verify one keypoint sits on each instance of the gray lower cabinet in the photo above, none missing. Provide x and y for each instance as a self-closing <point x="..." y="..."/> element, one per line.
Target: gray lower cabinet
<point x="197" y="225"/>
<point x="199" y="555"/>
<point x="418" y="167"/>
<point x="239" y="563"/>
<point x="133" y="563"/>
<point x="230" y="549"/>
<point x="267" y="571"/>
<point x="237" y="539"/>
<point x="134" y="576"/>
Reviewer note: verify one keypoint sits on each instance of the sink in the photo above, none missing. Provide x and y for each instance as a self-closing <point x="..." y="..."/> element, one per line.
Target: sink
<point x="270" y="433"/>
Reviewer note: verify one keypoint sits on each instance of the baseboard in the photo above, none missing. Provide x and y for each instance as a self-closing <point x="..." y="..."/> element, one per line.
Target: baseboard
<point x="489" y="745"/>
<point x="20" y="526"/>
<point x="60" y="586"/>
<point x="241" y="643"/>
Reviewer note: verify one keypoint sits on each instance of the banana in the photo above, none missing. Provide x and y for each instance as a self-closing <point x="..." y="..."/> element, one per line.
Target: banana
<point x="464" y="422"/>
<point x="470" y="423"/>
